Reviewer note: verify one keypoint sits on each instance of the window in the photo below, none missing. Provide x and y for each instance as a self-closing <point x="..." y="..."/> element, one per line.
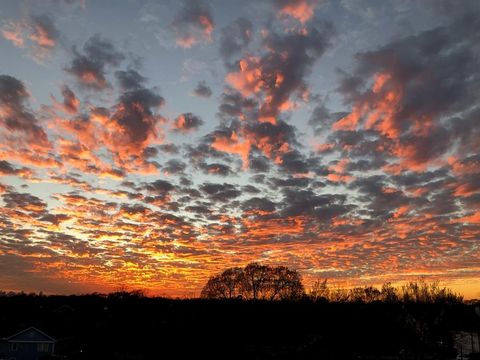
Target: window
<point x="14" y="346"/>
<point x="42" y="347"/>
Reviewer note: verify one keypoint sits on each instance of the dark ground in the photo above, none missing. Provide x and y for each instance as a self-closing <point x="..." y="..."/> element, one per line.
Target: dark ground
<point x="130" y="327"/>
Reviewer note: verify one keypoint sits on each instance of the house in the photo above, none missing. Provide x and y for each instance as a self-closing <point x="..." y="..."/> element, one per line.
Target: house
<point x="28" y="344"/>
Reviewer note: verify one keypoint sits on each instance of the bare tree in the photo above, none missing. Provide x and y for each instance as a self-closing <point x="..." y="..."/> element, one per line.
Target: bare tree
<point x="320" y="290"/>
<point x="232" y="279"/>
<point x="254" y="282"/>
<point x="215" y="288"/>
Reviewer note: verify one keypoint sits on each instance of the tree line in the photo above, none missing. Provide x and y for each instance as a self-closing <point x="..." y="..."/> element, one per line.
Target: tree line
<point x="263" y="282"/>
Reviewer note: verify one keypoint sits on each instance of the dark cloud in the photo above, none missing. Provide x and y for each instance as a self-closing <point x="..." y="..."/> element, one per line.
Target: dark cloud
<point x="307" y="203"/>
<point x="89" y="66"/>
<point x="235" y="38"/>
<point x="220" y="192"/>
<point x="300" y="182"/>
<point x="259" y="164"/>
<point x="130" y="79"/>
<point x="258" y="204"/>
<point x="294" y="162"/>
<point x="199" y="209"/>
<point x="174" y="166"/>
<point x="250" y="189"/>
<point x="193" y="24"/>
<point x="377" y="197"/>
<point x="150" y="152"/>
<point x="203" y="90"/>
<point x="159" y="187"/>
<point x="8" y="169"/>
<point x="55" y="219"/>
<point x="322" y="119"/>
<point x="14" y="115"/>
<point x="25" y="202"/>
<point x="70" y="101"/>
<point x="216" y="169"/>
<point x="169" y="148"/>
<point x="233" y="104"/>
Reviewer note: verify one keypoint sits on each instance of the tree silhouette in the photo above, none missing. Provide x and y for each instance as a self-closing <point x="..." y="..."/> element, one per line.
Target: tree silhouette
<point x="227" y="285"/>
<point x="254" y="282"/>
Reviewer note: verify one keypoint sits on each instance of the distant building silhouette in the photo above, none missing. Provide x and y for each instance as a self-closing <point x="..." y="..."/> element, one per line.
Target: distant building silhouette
<point x="28" y="344"/>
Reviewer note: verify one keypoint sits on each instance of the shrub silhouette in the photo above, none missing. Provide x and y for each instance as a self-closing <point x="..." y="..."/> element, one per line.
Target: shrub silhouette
<point x="412" y="292"/>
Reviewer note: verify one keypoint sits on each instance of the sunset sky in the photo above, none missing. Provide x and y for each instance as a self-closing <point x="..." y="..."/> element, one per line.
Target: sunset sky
<point x="152" y="144"/>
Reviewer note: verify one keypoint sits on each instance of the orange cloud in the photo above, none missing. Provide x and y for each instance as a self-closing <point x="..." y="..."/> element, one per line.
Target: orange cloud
<point x="267" y="227"/>
<point x="339" y="170"/>
<point x="380" y="111"/>
<point x="302" y="10"/>
<point x="350" y="121"/>
<point x="207" y="25"/>
<point x="323" y="147"/>
<point x="14" y="32"/>
<point x="472" y="219"/>
<point x="41" y="36"/>
<point x="248" y="79"/>
<point x="40" y="30"/>
<point x="187" y="122"/>
<point x="233" y="145"/>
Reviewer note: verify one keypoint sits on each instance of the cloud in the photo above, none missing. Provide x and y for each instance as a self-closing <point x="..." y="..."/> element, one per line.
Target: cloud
<point x="133" y="127"/>
<point x="25" y="202"/>
<point x="216" y="169"/>
<point x="70" y="101"/>
<point x="393" y="181"/>
<point x="193" y="24"/>
<point x="174" y="166"/>
<point x="130" y="79"/>
<point x="220" y="192"/>
<point x="267" y="86"/>
<point x="43" y="31"/>
<point x="413" y="88"/>
<point x="235" y="38"/>
<point x="159" y="187"/>
<point x="202" y="90"/>
<point x="40" y="30"/>
<point x="187" y="122"/>
<point x="112" y="142"/>
<point x="13" y="32"/>
<point x="22" y="136"/>
<point x="7" y="169"/>
<point x="89" y="66"/>
<point x="301" y="10"/>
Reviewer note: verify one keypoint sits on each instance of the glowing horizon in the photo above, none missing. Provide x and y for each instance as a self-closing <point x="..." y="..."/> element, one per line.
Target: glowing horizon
<point x="153" y="144"/>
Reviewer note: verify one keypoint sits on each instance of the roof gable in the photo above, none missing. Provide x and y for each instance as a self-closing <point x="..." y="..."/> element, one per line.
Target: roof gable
<point x="31" y="334"/>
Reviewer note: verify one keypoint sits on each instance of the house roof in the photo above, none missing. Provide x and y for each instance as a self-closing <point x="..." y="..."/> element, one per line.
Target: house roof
<point x="31" y="334"/>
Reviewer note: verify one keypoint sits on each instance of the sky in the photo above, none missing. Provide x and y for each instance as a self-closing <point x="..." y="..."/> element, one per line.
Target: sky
<point x="152" y="144"/>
